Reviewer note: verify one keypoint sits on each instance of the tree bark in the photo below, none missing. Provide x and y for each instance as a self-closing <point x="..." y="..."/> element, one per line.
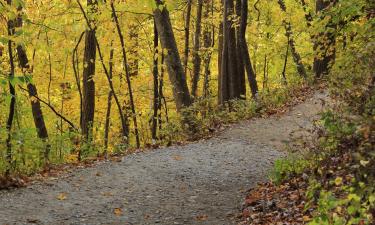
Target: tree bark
<point x="88" y="83"/>
<point x="109" y="104"/>
<point x="127" y="73"/>
<point x="251" y="76"/>
<point x="239" y="45"/>
<point x="229" y="80"/>
<point x="208" y="42"/>
<point x="156" y="99"/>
<point x="187" y="35"/>
<point x="196" y="58"/>
<point x="12" y="92"/>
<point x="32" y="91"/>
<point x="289" y="34"/>
<point x="324" y="45"/>
<point x="283" y="74"/>
<point x="172" y="58"/>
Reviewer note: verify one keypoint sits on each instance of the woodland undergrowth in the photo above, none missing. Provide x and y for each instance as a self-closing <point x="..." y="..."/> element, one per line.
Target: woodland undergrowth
<point x="333" y="182"/>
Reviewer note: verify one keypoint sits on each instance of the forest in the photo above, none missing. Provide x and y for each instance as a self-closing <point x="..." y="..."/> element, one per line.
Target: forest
<point x="92" y="80"/>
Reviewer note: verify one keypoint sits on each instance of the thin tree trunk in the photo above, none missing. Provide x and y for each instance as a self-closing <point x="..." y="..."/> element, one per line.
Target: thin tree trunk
<point x="251" y="76"/>
<point x="221" y="77"/>
<point x="156" y="99"/>
<point x="284" y="80"/>
<point x="196" y="58"/>
<point x="124" y="123"/>
<point x="265" y="73"/>
<point x="187" y="35"/>
<point x="208" y="39"/>
<point x="175" y="70"/>
<point x="109" y="105"/>
<point x="161" y="94"/>
<point x="12" y="92"/>
<point x="127" y="73"/>
<point x="289" y="33"/>
<point x="33" y="93"/>
<point x="75" y="64"/>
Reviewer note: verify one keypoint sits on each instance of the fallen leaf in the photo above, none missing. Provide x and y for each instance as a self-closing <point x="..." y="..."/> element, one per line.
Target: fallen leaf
<point x="338" y="181"/>
<point x="118" y="211"/>
<point x="202" y="217"/>
<point x="62" y="196"/>
<point x="306" y="218"/>
<point x="107" y="194"/>
<point x="177" y="158"/>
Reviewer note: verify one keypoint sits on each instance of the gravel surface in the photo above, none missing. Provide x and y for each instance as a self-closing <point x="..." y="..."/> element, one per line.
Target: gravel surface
<point x="199" y="183"/>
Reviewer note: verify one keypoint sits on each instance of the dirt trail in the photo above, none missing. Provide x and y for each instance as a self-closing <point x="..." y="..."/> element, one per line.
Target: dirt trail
<point x="200" y="183"/>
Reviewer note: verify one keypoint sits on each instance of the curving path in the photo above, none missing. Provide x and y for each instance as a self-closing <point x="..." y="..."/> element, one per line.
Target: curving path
<point x="199" y="183"/>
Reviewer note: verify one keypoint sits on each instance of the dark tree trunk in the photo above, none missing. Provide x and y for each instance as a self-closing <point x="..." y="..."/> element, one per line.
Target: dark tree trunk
<point x="283" y="74"/>
<point x="196" y="56"/>
<point x="88" y="84"/>
<point x="12" y="92"/>
<point x="162" y="100"/>
<point x="187" y="35"/>
<point x="172" y="58"/>
<point x="289" y="33"/>
<point x="156" y="99"/>
<point x="324" y="45"/>
<point x="33" y="93"/>
<point x="239" y="45"/>
<point x="208" y="39"/>
<point x="229" y="80"/>
<point x="234" y="76"/>
<point x="127" y="73"/>
<point x="251" y="76"/>
<point x="221" y="91"/>
<point x="109" y="105"/>
<point x="75" y="64"/>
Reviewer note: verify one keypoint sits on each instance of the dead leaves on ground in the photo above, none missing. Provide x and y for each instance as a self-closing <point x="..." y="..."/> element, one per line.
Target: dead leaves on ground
<point x="117" y="211"/>
<point x="272" y="204"/>
<point x="7" y="182"/>
<point x="62" y="197"/>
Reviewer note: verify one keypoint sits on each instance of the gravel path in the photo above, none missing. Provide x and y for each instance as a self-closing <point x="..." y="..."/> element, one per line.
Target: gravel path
<point x="200" y="183"/>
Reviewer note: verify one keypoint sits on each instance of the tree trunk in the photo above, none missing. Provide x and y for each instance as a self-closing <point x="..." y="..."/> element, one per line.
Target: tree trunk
<point x="251" y="76"/>
<point x="208" y="39"/>
<point x="283" y="74"/>
<point x="88" y="84"/>
<point x="12" y="92"/>
<point x="127" y="73"/>
<point x="33" y="92"/>
<point x="109" y="105"/>
<point x="156" y="100"/>
<point x="229" y="80"/>
<point x="239" y="45"/>
<point x="324" y="45"/>
<point x="221" y="78"/>
<point x="187" y="35"/>
<point x="289" y="34"/>
<point x="197" y="58"/>
<point x="172" y="58"/>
